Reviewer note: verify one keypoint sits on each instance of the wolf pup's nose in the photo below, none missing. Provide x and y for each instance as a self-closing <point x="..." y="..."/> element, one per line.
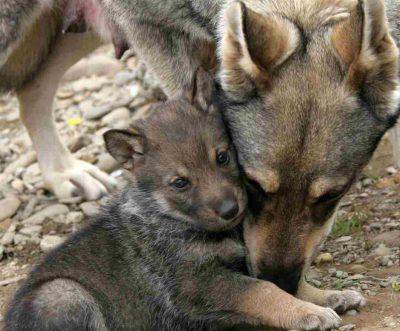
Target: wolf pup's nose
<point x="227" y="209"/>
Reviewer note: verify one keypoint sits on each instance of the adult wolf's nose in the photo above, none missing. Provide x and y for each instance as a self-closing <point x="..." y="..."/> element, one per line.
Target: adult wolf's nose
<point x="227" y="209"/>
<point x="285" y="278"/>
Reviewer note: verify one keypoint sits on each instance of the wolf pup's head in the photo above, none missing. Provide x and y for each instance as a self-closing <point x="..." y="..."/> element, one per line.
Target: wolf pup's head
<point x="308" y="89"/>
<point x="181" y="155"/>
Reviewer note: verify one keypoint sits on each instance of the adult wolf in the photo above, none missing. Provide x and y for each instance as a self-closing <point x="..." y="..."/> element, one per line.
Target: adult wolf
<point x="308" y="88"/>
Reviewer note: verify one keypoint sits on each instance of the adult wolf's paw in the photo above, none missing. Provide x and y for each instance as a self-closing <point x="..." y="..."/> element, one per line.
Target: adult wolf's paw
<point x="313" y="317"/>
<point x="79" y="178"/>
<point x="342" y="301"/>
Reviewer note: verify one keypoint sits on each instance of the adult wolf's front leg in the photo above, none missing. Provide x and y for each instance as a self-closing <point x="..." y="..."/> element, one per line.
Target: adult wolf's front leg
<point x="63" y="174"/>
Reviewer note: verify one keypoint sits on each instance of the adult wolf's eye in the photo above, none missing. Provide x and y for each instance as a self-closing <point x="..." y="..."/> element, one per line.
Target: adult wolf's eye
<point x="180" y="183"/>
<point x="223" y="158"/>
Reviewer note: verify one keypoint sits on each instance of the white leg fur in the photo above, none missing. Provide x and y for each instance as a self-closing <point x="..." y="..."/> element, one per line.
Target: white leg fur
<point x="63" y="174"/>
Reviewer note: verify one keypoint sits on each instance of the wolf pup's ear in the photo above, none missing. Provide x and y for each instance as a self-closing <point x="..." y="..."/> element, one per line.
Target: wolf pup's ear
<point x="200" y="91"/>
<point x="369" y="55"/>
<point x="252" y="46"/>
<point x="124" y="146"/>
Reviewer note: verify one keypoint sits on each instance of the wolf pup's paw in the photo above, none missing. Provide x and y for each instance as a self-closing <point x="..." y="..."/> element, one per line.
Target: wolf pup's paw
<point x="342" y="301"/>
<point x="313" y="317"/>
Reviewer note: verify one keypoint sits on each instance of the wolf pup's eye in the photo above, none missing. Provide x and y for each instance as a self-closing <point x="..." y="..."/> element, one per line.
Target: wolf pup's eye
<point x="180" y="183"/>
<point x="223" y="158"/>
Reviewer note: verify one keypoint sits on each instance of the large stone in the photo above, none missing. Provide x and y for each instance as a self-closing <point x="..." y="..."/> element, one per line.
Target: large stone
<point x="98" y="65"/>
<point x="47" y="212"/>
<point x="49" y="242"/>
<point x="390" y="238"/>
<point x="8" y="207"/>
<point x="107" y="163"/>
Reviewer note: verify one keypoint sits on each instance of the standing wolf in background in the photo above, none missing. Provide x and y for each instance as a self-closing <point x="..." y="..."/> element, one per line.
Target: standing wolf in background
<point x="308" y="88"/>
<point x="38" y="43"/>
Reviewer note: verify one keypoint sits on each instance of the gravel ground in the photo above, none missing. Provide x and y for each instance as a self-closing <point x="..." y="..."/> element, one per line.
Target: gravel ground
<point x="99" y="93"/>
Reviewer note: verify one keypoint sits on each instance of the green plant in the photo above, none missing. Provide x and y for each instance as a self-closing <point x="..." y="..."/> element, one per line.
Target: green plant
<point x="348" y="225"/>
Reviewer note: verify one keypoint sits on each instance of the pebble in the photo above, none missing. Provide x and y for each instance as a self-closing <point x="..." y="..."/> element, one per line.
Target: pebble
<point x="8" y="236"/>
<point x="107" y="163"/>
<point x="343" y="239"/>
<point x="47" y="212"/>
<point x="33" y="230"/>
<point x="324" y="258"/>
<point x="347" y="327"/>
<point x="49" y="242"/>
<point x="381" y="250"/>
<point x="352" y="312"/>
<point x="74" y="217"/>
<point x="358" y="269"/>
<point x="89" y="208"/>
<point x="123" y="78"/>
<point x="8" y="207"/>
<point x="117" y="115"/>
<point x="389" y="238"/>
<point x="22" y="162"/>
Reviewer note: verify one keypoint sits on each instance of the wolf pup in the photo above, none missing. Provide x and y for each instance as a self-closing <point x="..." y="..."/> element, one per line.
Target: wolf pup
<point x="167" y="253"/>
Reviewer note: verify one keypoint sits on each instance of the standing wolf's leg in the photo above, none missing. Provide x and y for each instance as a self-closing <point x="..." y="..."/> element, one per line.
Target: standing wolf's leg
<point x="63" y="174"/>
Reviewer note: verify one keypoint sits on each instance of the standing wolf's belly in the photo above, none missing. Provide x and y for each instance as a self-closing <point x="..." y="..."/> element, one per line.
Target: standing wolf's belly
<point x="36" y="34"/>
<point x="31" y="50"/>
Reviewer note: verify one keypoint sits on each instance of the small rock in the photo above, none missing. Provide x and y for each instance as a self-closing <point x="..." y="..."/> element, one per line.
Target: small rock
<point x="343" y="239"/>
<point x="22" y="162"/>
<point x="324" y="258"/>
<point x="117" y="115"/>
<point x="352" y="312"/>
<point x="389" y="322"/>
<point x="8" y="236"/>
<point x="47" y="212"/>
<point x="391" y="170"/>
<point x="8" y="207"/>
<point x="89" y="208"/>
<point x="123" y="78"/>
<point x="356" y="277"/>
<point x="341" y="274"/>
<point x="381" y="250"/>
<point x="1" y="252"/>
<point x="107" y="163"/>
<point x="95" y="113"/>
<point x="49" y="242"/>
<point x="358" y="269"/>
<point x="20" y="239"/>
<point x="33" y="230"/>
<point x="18" y="185"/>
<point x="74" y="217"/>
<point x="390" y="238"/>
<point x="347" y="327"/>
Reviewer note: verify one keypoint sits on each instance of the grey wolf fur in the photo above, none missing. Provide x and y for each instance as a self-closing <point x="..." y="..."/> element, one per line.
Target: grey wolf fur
<point x="161" y="257"/>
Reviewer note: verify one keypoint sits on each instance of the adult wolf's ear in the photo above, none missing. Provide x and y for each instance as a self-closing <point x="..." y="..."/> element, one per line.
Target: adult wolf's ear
<point x="369" y="55"/>
<point x="200" y="91"/>
<point x="252" y="46"/>
<point x="124" y="146"/>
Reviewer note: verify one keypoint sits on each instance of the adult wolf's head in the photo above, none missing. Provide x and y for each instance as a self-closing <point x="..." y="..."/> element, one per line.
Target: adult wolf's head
<point x="308" y="88"/>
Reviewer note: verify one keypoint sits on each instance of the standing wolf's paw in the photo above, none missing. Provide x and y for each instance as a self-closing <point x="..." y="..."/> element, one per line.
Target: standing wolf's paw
<point x="342" y="301"/>
<point x="79" y="178"/>
<point x="314" y="317"/>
